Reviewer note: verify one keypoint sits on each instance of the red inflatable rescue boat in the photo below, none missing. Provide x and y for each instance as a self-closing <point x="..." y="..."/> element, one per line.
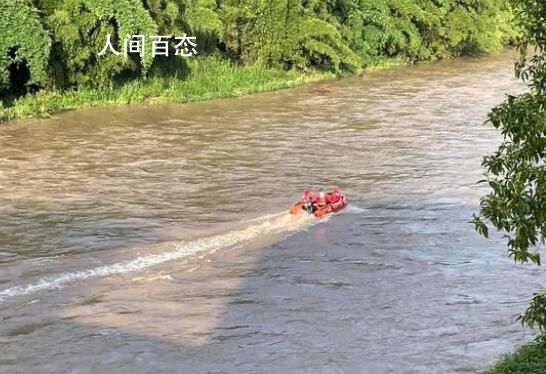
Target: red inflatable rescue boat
<point x="333" y="201"/>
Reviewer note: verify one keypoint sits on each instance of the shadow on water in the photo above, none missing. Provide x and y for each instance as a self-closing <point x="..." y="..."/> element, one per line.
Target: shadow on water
<point x="339" y="297"/>
<point x="404" y="285"/>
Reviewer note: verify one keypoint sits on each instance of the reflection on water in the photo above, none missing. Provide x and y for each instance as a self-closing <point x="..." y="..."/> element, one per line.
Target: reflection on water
<point x="95" y="207"/>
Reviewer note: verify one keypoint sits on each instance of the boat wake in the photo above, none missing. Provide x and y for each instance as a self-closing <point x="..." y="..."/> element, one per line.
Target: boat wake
<point x="268" y="226"/>
<point x="353" y="209"/>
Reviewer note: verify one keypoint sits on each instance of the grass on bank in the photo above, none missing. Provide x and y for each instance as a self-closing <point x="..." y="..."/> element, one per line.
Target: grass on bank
<point x="528" y="359"/>
<point x="207" y="80"/>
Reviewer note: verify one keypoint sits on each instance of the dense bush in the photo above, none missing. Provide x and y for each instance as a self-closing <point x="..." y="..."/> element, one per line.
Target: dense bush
<point x="59" y="39"/>
<point x="22" y="40"/>
<point x="80" y="29"/>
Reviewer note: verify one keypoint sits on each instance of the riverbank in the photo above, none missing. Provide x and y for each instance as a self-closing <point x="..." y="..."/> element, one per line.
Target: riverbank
<point x="209" y="79"/>
<point x="529" y="358"/>
<point x="62" y="47"/>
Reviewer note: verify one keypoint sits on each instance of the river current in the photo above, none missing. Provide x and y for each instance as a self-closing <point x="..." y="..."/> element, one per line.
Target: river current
<point x="156" y="239"/>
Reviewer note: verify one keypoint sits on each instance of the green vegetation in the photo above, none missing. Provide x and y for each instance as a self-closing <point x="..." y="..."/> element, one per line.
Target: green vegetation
<point x="516" y="174"/>
<point x="49" y="48"/>
<point x="209" y="79"/>
<point x="528" y="359"/>
<point x="14" y="50"/>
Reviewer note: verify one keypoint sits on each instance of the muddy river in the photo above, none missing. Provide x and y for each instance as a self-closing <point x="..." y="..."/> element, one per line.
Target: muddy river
<point x="156" y="239"/>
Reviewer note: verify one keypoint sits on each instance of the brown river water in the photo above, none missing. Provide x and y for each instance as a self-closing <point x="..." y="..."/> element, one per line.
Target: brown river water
<point x="156" y="239"/>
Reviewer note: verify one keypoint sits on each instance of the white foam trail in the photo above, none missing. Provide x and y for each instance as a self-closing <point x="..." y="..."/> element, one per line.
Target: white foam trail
<point x="282" y="223"/>
<point x="354" y="209"/>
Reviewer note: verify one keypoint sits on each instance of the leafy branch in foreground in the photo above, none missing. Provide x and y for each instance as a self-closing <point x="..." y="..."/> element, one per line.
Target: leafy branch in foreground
<point x="516" y="172"/>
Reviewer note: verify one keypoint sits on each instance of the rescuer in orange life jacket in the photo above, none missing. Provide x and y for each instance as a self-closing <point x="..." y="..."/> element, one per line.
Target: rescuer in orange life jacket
<point x="320" y="200"/>
<point x="333" y="196"/>
<point x="307" y="200"/>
